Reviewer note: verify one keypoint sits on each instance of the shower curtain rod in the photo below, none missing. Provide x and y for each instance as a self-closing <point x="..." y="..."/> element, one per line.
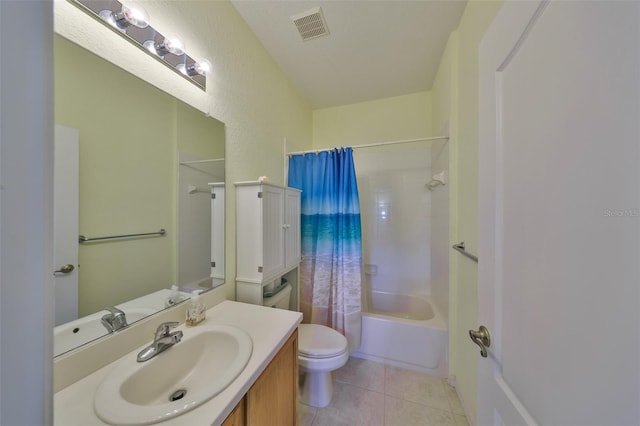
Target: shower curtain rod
<point x="369" y="145"/>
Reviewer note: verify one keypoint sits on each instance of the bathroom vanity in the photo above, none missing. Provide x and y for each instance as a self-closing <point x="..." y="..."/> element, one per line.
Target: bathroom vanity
<point x="264" y="391"/>
<point x="273" y="397"/>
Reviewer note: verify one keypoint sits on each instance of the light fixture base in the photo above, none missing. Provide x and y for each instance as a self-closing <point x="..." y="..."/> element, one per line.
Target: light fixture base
<point x="133" y="25"/>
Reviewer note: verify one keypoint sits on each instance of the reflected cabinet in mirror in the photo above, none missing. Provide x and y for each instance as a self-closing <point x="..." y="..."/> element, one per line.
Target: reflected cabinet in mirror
<point x="130" y="159"/>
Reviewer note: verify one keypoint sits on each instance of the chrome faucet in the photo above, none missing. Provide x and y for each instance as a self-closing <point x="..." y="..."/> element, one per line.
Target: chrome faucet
<point x="161" y="341"/>
<point x="114" y="320"/>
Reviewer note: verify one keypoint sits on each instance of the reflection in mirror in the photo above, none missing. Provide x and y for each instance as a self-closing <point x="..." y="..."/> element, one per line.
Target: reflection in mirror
<point x="129" y="134"/>
<point x="199" y="190"/>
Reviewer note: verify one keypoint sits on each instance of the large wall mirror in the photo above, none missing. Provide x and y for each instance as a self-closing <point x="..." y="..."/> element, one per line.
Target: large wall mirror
<point x="146" y="162"/>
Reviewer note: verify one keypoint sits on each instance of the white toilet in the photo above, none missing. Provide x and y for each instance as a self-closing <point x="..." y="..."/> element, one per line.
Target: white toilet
<point x="321" y="350"/>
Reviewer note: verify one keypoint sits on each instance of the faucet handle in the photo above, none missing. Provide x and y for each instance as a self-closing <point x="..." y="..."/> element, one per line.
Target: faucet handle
<point x="114" y="311"/>
<point x="114" y="320"/>
<point x="163" y="328"/>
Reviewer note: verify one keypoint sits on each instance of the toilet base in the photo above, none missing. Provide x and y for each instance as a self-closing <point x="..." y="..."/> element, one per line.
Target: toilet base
<point x="316" y="389"/>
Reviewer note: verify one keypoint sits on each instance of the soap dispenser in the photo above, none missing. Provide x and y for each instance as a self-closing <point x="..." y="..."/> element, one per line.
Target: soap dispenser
<point x="196" y="310"/>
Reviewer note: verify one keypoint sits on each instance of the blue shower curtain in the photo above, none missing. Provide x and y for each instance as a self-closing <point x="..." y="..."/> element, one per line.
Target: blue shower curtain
<point x="330" y="271"/>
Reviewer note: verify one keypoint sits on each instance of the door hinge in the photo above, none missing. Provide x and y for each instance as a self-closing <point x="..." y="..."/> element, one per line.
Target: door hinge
<point x="260" y="194"/>
<point x="213" y="264"/>
<point x="213" y="196"/>
<point x="259" y="268"/>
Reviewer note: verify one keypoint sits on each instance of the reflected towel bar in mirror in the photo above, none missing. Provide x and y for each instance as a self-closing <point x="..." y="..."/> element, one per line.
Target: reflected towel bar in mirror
<point x="460" y="247"/>
<point x="84" y="239"/>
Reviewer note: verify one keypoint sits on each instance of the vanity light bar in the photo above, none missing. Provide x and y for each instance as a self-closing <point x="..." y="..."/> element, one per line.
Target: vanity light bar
<point x="131" y="22"/>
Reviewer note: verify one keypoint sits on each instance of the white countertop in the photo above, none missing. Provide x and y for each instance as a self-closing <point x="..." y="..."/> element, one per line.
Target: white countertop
<point x="269" y="329"/>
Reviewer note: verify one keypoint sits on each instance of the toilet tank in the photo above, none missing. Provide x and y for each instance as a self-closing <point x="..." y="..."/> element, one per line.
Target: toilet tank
<point x="280" y="299"/>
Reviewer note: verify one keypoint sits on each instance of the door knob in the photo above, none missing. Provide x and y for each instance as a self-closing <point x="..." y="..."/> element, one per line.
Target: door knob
<point x="481" y="338"/>
<point x="64" y="269"/>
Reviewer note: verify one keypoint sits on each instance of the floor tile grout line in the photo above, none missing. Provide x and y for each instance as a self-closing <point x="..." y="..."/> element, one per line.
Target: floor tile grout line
<point x="355" y="377"/>
<point x="384" y="392"/>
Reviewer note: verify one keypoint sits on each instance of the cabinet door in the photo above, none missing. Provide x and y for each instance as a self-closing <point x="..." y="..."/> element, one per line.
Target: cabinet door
<point x="272" y="230"/>
<point x="249" y="238"/>
<point x="237" y="416"/>
<point x="273" y="399"/>
<point x="292" y="228"/>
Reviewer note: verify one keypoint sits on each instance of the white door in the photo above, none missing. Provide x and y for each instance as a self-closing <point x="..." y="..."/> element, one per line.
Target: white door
<point x="66" y="198"/>
<point x="559" y="271"/>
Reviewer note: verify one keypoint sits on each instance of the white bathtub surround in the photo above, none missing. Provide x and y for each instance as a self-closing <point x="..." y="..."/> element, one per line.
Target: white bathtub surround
<point x="440" y="244"/>
<point x="405" y="249"/>
<point x="406" y="331"/>
<point x="412" y="307"/>
<point x="395" y="207"/>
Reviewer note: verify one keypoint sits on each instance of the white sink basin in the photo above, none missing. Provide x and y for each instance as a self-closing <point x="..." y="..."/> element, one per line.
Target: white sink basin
<point x="194" y="370"/>
<point x="83" y="330"/>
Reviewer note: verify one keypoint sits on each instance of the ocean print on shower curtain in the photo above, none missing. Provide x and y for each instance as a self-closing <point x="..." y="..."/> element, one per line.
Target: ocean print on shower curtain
<point x="330" y="270"/>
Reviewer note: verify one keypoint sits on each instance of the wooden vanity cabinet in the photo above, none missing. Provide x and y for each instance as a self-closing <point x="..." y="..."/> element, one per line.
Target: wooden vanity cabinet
<point x="273" y="398"/>
<point x="238" y="415"/>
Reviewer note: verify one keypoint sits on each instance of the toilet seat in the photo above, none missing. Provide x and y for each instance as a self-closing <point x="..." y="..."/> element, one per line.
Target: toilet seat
<point x="318" y="341"/>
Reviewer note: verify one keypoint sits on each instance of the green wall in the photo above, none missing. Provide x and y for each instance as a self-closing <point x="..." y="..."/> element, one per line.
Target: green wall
<point x="380" y="120"/>
<point x="195" y="134"/>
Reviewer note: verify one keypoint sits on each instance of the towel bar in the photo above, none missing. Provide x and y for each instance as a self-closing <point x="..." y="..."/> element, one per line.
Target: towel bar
<point x="84" y="239"/>
<point x="460" y="248"/>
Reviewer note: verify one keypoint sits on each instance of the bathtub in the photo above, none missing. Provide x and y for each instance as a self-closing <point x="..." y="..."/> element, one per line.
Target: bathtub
<point x="404" y="331"/>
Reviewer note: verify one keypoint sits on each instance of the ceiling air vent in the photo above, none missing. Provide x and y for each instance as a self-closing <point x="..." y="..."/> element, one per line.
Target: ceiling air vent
<point x="311" y="24"/>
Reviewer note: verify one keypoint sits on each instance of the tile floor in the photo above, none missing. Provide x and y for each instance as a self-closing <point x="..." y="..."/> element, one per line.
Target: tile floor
<point x="369" y="393"/>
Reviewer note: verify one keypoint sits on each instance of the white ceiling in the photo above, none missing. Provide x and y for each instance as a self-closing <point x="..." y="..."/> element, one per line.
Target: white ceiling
<point x="375" y="49"/>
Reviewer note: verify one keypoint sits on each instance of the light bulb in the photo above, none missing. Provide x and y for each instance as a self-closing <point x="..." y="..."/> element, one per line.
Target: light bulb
<point x="136" y="16"/>
<point x="203" y="67"/>
<point x="199" y="68"/>
<point x="128" y="15"/>
<point x="107" y="15"/>
<point x="170" y="44"/>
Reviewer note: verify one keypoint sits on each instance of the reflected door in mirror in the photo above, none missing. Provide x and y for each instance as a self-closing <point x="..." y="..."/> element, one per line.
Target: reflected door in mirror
<point x="66" y="182"/>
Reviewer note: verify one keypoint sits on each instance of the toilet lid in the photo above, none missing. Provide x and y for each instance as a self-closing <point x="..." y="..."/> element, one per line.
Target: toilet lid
<point x="319" y="341"/>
